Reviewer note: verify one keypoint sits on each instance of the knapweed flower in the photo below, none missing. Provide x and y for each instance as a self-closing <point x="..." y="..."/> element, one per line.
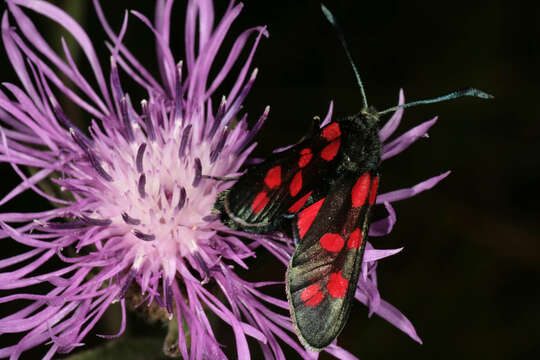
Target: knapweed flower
<point x="137" y="211"/>
<point x="135" y="214"/>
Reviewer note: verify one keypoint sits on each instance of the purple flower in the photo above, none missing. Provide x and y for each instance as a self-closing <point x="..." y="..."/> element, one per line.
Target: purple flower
<point x="135" y="213"/>
<point x="137" y="210"/>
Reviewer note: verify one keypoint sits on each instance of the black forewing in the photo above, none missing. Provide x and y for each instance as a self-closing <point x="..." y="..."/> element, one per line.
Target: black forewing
<point x="237" y="204"/>
<point x="321" y="319"/>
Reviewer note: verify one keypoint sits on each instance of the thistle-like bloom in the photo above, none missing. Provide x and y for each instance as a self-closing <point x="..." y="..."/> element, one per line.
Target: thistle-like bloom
<point x="137" y="210"/>
<point x="135" y="213"/>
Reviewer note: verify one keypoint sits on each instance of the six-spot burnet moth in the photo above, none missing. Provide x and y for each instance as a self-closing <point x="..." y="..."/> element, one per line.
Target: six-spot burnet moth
<point x="325" y="185"/>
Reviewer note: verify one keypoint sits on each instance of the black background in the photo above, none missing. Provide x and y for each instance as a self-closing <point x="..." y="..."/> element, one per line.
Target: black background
<point x="469" y="275"/>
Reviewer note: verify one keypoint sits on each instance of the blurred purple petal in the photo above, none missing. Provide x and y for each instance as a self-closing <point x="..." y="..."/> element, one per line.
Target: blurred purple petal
<point x="396" y="318"/>
<point x="329" y="115"/>
<point x="340" y="353"/>
<point x="410" y="192"/>
<point x="384" y="226"/>
<point x="404" y="141"/>
<point x="375" y="255"/>
<point x="392" y="124"/>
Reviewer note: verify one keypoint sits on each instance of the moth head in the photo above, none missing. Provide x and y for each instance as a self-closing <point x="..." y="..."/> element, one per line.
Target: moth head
<point x="370" y="114"/>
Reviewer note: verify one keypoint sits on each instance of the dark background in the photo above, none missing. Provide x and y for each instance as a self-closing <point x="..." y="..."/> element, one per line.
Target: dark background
<point x="469" y="275"/>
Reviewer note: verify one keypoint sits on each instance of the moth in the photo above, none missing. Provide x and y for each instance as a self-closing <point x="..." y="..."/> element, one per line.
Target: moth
<point x="322" y="190"/>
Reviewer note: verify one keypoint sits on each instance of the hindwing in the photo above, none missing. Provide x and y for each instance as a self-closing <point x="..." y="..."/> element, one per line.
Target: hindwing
<point x="324" y="269"/>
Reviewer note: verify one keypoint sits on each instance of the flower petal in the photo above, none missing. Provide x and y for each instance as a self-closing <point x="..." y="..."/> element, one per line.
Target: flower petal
<point x="396" y="318"/>
<point x="404" y="141"/>
<point x="329" y="115"/>
<point x="384" y="226"/>
<point x="72" y="27"/>
<point x="375" y="255"/>
<point x="392" y="124"/>
<point x="410" y="192"/>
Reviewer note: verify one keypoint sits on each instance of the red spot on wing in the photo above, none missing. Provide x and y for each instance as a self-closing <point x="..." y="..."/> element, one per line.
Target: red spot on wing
<point x="312" y="295"/>
<point x="273" y="177"/>
<point x="299" y="203"/>
<point x="332" y="242"/>
<point x="360" y="190"/>
<point x="355" y="240"/>
<point x="259" y="202"/>
<point x="306" y="217"/>
<point x="337" y="285"/>
<point x="329" y="152"/>
<point x="305" y="157"/>
<point x="373" y="192"/>
<point x="296" y="184"/>
<point x="331" y="132"/>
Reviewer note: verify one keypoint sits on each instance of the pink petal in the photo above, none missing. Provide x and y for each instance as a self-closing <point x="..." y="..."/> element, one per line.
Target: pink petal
<point x="410" y="192"/>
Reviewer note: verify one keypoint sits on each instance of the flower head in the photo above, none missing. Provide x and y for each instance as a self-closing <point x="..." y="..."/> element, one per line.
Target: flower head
<point x="135" y="214"/>
<point x="139" y="213"/>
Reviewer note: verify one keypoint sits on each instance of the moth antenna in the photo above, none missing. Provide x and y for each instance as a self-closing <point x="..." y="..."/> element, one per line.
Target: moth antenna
<point x="456" y="94"/>
<point x="332" y="20"/>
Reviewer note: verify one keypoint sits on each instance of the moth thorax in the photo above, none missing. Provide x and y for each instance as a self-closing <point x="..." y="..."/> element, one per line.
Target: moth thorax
<point x="361" y="150"/>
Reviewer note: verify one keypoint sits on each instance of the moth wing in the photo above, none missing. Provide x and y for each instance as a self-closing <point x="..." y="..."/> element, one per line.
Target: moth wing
<point x="324" y="270"/>
<point x="283" y="183"/>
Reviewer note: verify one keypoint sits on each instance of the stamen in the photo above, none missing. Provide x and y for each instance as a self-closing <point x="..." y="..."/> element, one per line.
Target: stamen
<point x="128" y="129"/>
<point x="178" y="98"/>
<point x="143" y="236"/>
<point x="236" y="106"/>
<point x="91" y="156"/>
<point x="254" y="131"/>
<point x="77" y="224"/>
<point x="80" y="223"/>
<point x="198" y="173"/>
<point x="203" y="268"/>
<point x="140" y="154"/>
<point x="127" y="283"/>
<point x="129" y="220"/>
<point x="183" y="142"/>
<point x="210" y="218"/>
<point x="168" y="297"/>
<point x="62" y="118"/>
<point x="182" y="199"/>
<point x="115" y="80"/>
<point x="214" y="154"/>
<point x="147" y="121"/>
<point x="219" y="116"/>
<point x="142" y="184"/>
<point x="97" y="222"/>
